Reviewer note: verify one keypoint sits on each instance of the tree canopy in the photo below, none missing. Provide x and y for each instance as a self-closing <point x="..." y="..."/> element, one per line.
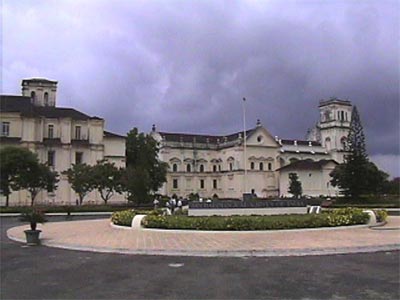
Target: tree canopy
<point x="357" y="175"/>
<point x="20" y="169"/>
<point x="295" y="187"/>
<point x="106" y="179"/>
<point x="79" y="177"/>
<point x="146" y="173"/>
<point x="36" y="178"/>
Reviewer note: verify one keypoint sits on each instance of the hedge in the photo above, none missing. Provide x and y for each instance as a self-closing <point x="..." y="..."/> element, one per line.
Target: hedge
<point x="125" y="217"/>
<point x="380" y="215"/>
<point x="337" y="217"/>
<point x="72" y="208"/>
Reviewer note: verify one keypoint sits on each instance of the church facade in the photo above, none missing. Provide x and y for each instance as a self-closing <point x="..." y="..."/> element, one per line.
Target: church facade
<point x="226" y="166"/>
<point x="59" y="136"/>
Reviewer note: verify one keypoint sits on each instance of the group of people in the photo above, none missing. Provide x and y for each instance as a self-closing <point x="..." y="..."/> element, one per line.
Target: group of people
<point x="171" y="204"/>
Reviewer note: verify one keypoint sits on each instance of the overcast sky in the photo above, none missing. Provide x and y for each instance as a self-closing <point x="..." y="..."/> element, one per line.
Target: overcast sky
<point x="186" y="65"/>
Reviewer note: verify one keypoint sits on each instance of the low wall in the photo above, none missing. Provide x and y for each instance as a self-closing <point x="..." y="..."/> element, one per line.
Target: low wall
<point x="247" y="211"/>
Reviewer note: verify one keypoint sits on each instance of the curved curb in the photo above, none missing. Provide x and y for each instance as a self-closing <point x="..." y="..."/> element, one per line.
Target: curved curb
<point x="222" y="253"/>
<point x="119" y="226"/>
<point x="256" y="231"/>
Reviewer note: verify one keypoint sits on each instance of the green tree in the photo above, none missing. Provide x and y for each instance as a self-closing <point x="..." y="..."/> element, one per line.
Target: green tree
<point x="295" y="185"/>
<point x="106" y="179"/>
<point x="357" y="175"/>
<point x="374" y="180"/>
<point x="392" y="187"/>
<point x="79" y="177"/>
<point x="35" y="178"/>
<point x="13" y="161"/>
<point x="142" y="161"/>
<point x="136" y="182"/>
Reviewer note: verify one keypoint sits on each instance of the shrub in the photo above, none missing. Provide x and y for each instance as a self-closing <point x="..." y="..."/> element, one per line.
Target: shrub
<point x="381" y="215"/>
<point x="340" y="217"/>
<point x="33" y="216"/>
<point x="347" y="216"/>
<point x="123" y="218"/>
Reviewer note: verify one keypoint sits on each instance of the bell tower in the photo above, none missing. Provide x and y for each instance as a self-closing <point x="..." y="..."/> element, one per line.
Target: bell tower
<point x="41" y="91"/>
<point x="334" y="125"/>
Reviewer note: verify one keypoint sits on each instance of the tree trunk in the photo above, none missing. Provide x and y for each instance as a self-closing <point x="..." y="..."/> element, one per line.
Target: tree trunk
<point x="80" y="199"/>
<point x="7" y="199"/>
<point x="33" y="225"/>
<point x="33" y="196"/>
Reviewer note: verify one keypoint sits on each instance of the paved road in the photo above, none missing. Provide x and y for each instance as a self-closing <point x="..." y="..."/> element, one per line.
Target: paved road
<point x="49" y="273"/>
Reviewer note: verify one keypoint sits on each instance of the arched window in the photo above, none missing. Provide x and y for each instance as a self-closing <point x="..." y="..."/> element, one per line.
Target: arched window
<point x="261" y="166"/>
<point x="343" y="142"/>
<point x="214" y="168"/>
<point x="175" y="168"/>
<point x="231" y="166"/>
<point x="269" y="166"/>
<point x="33" y="96"/>
<point x="219" y="168"/>
<point x="328" y="143"/>
<point x="188" y="168"/>
<point x="46" y="98"/>
<point x="201" y="168"/>
<point x="252" y="165"/>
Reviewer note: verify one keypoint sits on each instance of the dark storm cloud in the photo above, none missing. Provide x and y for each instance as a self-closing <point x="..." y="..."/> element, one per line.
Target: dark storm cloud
<point x="186" y="65"/>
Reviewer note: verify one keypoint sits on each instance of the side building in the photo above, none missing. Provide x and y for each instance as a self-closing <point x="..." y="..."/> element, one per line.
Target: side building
<point x="59" y="136"/>
<point x="218" y="165"/>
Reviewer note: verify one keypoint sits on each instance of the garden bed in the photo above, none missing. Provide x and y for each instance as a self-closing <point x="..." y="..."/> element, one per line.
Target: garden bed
<point x="337" y="217"/>
<point x="332" y="218"/>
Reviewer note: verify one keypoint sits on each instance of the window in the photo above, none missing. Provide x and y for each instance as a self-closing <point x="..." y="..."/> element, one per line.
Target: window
<point x="46" y="98"/>
<point x="259" y="138"/>
<point x="214" y="168"/>
<point x="269" y="166"/>
<point x="252" y="165"/>
<point x="342" y="115"/>
<point x="328" y="143"/>
<point x="5" y="128"/>
<point x="33" y="96"/>
<point x="202" y="183"/>
<point x="50" y="131"/>
<point x="215" y="186"/>
<point x="261" y="166"/>
<point x="175" y="168"/>
<point x="201" y="168"/>
<point x="175" y="183"/>
<point x="78" y="132"/>
<point x="343" y="142"/>
<point x="188" y="168"/>
<point x="219" y="168"/>
<point x="78" y="157"/>
<point x="230" y="166"/>
<point x="51" y="158"/>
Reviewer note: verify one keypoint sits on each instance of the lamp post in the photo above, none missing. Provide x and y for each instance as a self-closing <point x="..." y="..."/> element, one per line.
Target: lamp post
<point x="244" y="145"/>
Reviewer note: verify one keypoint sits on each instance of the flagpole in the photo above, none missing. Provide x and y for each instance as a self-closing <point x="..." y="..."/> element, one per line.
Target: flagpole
<point x="245" y="146"/>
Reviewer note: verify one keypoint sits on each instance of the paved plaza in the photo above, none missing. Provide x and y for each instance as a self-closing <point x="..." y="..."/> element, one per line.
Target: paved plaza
<point x="53" y="273"/>
<point x="101" y="236"/>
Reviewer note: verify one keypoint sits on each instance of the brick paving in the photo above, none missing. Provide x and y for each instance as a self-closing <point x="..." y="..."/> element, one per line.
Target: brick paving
<point x="99" y="235"/>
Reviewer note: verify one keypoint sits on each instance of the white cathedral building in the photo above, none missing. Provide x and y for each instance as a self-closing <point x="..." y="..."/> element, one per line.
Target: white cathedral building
<point x="226" y="166"/>
<point x="59" y="136"/>
<point x="205" y="164"/>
